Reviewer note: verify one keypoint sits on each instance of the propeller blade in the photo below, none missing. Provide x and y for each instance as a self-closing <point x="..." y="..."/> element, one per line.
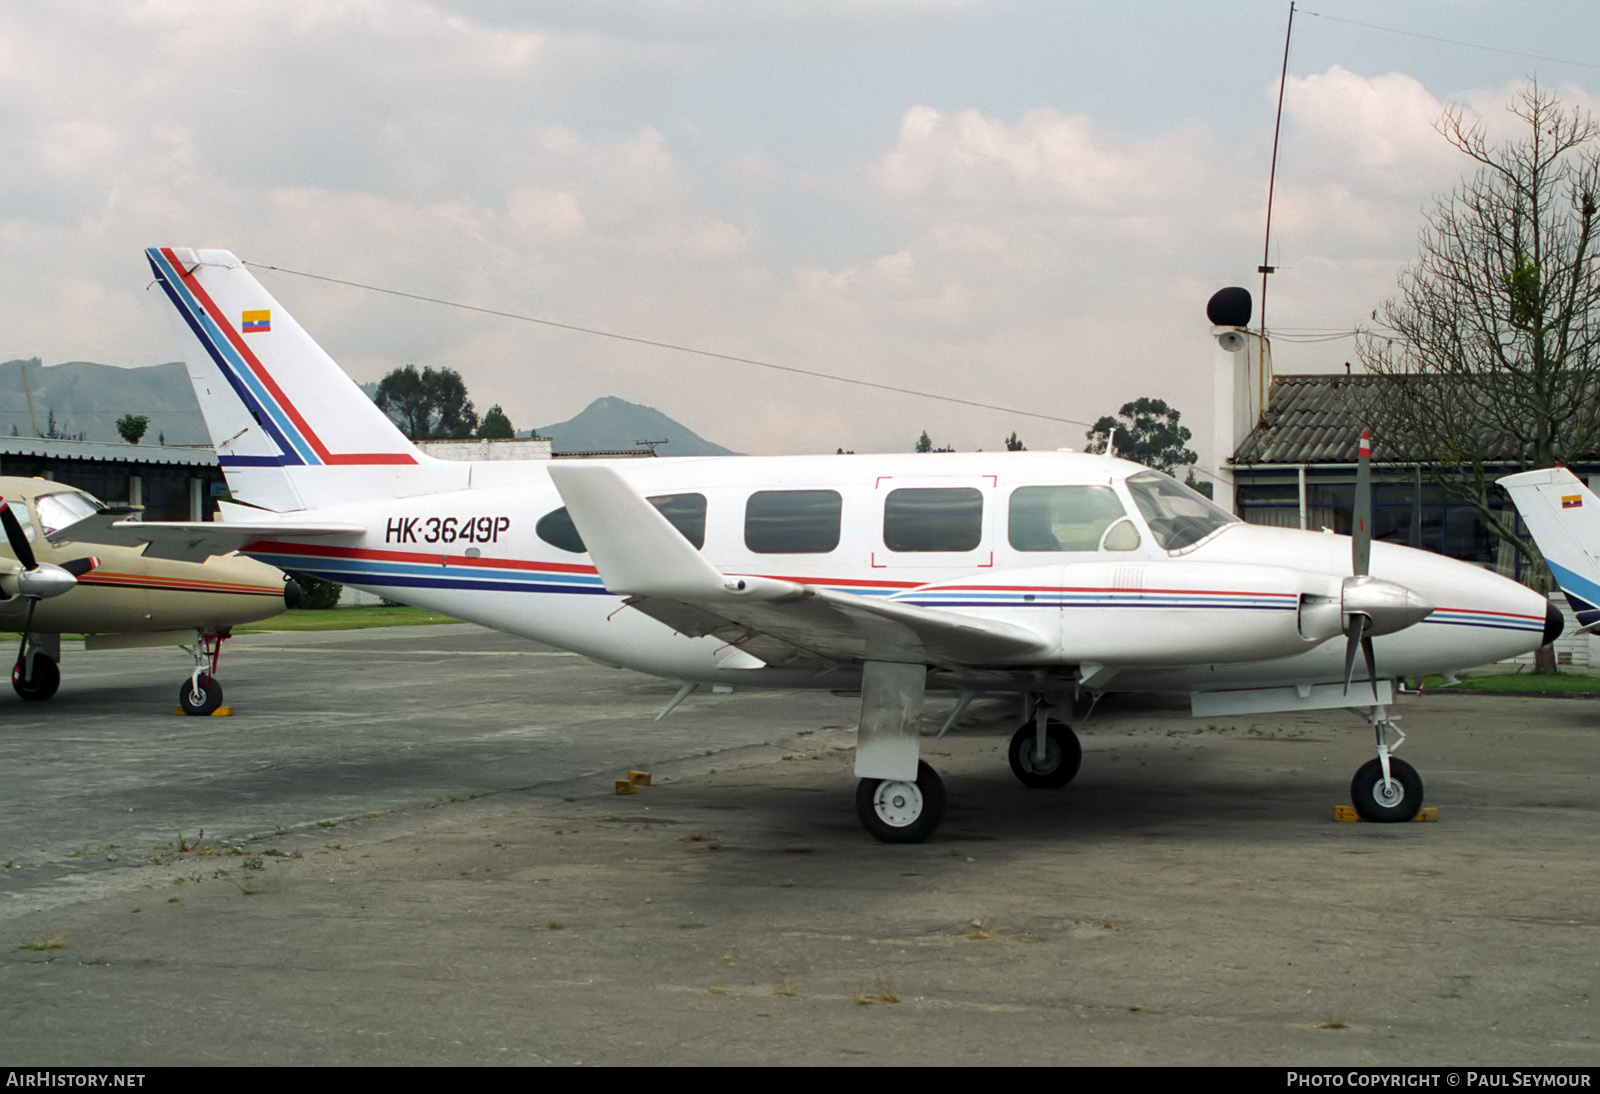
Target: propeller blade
<point x="1361" y="534"/>
<point x="77" y="567"/>
<point x="1414" y="539"/>
<point x="1372" y="664"/>
<point x="1357" y="632"/>
<point x="17" y="537"/>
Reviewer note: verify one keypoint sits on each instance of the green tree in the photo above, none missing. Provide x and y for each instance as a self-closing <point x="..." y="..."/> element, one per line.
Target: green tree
<point x="1491" y="350"/>
<point x="1147" y="432"/>
<point x="432" y="403"/>
<point x="1014" y="443"/>
<point x="318" y="594"/>
<point x="924" y="442"/>
<point x="496" y="426"/>
<point x="132" y="427"/>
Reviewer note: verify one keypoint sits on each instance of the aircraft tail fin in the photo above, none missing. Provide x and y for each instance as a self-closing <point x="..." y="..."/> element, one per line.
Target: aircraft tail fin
<point x="1563" y="516"/>
<point x="291" y="430"/>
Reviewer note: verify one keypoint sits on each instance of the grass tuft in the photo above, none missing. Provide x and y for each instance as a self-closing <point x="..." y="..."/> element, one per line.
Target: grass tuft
<point x="39" y="945"/>
<point x="346" y="619"/>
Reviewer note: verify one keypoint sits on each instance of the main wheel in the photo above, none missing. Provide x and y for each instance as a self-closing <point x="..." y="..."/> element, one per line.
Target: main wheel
<point x="901" y="812"/>
<point x="46" y="679"/>
<point x="207" y="700"/>
<point x="1063" y="755"/>
<point x="1399" y="801"/>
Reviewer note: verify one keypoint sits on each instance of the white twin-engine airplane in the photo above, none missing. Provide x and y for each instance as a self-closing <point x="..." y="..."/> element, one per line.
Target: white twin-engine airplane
<point x="1056" y="576"/>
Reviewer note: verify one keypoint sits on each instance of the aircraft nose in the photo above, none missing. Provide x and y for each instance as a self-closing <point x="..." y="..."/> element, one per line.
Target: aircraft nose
<point x="1553" y="623"/>
<point x="293" y="594"/>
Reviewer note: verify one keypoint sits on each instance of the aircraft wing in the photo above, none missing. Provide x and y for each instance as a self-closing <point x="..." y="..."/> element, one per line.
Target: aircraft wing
<point x="191" y="541"/>
<point x="642" y="557"/>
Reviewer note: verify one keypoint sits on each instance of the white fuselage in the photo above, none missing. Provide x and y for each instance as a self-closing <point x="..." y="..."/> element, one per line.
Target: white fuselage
<point x="1227" y="610"/>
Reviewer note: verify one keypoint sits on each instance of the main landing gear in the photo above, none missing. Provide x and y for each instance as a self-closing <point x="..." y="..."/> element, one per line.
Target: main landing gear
<point x="201" y="694"/>
<point x="1045" y="754"/>
<point x="1386" y="789"/>
<point x="37" y="674"/>
<point x="896" y="807"/>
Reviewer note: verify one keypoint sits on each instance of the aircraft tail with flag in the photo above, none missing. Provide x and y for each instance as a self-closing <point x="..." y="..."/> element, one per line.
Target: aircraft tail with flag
<point x="292" y="431"/>
<point x="1563" y="516"/>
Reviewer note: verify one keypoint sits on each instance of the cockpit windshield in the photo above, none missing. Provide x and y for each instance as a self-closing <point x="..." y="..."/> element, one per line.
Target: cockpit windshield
<point x="57" y="511"/>
<point x="1177" y="515"/>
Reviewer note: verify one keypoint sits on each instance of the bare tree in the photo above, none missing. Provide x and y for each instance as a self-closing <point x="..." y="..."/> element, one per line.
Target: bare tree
<point x="1492" y="347"/>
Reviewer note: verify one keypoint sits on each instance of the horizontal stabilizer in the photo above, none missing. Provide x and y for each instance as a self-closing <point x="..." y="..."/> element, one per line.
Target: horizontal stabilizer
<point x="641" y="556"/>
<point x="196" y="541"/>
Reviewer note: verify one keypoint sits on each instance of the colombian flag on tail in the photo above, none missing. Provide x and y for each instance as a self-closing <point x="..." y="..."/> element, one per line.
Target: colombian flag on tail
<point x="256" y="322"/>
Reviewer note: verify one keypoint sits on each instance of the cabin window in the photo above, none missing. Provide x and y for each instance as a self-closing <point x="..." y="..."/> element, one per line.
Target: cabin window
<point x="24" y="518"/>
<point x="1177" y="515"/>
<point x="685" y="512"/>
<point x="1065" y="518"/>
<point x="556" y="529"/>
<point x="933" y="519"/>
<point x="1121" y="536"/>
<point x="792" y="522"/>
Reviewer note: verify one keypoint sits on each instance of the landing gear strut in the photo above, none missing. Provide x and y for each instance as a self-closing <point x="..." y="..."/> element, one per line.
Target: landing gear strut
<point x="37" y="675"/>
<point x="201" y="694"/>
<point x="1386" y="789"/>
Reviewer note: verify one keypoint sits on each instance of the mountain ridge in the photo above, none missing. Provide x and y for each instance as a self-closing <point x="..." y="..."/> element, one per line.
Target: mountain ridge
<point x="88" y="398"/>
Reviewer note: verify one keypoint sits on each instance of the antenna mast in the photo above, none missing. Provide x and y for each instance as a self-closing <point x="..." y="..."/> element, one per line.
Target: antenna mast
<point x="1272" y="177"/>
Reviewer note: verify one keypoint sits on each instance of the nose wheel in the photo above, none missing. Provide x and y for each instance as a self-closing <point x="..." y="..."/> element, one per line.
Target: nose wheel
<point x="35" y="677"/>
<point x="1399" y="798"/>
<point x="896" y="811"/>
<point x="1386" y="789"/>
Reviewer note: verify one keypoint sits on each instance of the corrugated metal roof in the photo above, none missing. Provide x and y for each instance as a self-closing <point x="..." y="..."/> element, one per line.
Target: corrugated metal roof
<point x="56" y="448"/>
<point x="1309" y="419"/>
<point x="1318" y="419"/>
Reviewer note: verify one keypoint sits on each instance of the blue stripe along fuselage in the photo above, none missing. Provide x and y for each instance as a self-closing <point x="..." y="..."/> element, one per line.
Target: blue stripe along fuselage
<point x="486" y="576"/>
<point x="1075" y="598"/>
<point x="1459" y="618"/>
<point x="433" y="575"/>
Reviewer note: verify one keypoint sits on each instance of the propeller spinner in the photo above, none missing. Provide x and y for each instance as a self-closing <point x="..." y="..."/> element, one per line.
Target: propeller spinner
<point x="39" y="580"/>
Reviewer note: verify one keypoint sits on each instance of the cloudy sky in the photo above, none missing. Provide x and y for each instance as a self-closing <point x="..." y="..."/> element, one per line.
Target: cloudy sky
<point x="1020" y="203"/>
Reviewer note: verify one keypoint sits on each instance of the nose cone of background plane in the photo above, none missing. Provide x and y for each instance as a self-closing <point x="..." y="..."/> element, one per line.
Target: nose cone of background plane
<point x="1553" y="623"/>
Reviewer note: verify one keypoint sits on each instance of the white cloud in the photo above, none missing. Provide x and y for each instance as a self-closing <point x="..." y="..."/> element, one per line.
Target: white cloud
<point x="689" y="172"/>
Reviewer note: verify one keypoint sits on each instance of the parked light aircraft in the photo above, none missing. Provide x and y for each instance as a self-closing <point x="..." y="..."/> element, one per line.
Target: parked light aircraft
<point x="122" y="596"/>
<point x="1563" y="516"/>
<point x="1057" y="576"/>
